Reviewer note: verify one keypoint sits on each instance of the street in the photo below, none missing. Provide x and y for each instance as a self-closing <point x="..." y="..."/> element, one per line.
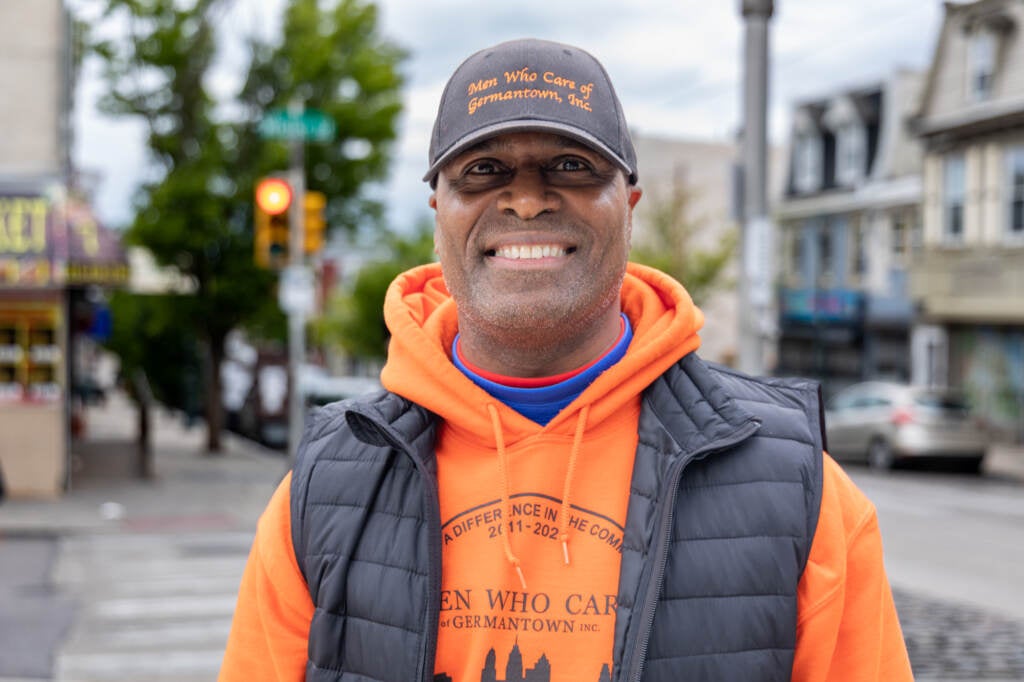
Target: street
<point x="154" y="606"/>
<point x="954" y="547"/>
<point x="949" y="536"/>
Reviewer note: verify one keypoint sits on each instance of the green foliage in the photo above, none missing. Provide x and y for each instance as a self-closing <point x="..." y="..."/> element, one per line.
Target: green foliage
<point x="332" y="59"/>
<point x="671" y="243"/>
<point x="354" y="320"/>
<point x="147" y="334"/>
<point x="197" y="214"/>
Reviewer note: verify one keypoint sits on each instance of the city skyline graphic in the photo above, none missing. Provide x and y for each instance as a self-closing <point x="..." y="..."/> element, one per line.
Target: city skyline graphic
<point x="514" y="670"/>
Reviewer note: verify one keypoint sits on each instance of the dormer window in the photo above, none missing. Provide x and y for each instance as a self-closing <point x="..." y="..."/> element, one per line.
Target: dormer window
<point x="845" y="121"/>
<point x="982" y="65"/>
<point x="850" y="149"/>
<point x="808" y="152"/>
<point x="808" y="162"/>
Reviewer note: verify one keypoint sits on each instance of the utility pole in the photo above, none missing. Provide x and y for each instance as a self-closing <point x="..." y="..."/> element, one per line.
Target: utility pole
<point x="297" y="124"/>
<point x="755" y="290"/>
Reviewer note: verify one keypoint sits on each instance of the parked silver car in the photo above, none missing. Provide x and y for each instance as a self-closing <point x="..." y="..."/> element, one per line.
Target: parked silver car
<point x="885" y="423"/>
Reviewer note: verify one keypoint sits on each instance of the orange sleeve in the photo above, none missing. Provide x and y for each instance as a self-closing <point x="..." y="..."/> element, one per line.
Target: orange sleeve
<point x="847" y="629"/>
<point x="268" y="640"/>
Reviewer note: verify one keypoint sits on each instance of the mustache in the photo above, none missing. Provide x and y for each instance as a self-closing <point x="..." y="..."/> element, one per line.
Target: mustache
<point x="556" y="227"/>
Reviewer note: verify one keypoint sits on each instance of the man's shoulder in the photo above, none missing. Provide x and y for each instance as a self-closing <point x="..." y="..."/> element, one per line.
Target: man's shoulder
<point x="766" y="388"/>
<point x="380" y="418"/>
<point x="721" y="385"/>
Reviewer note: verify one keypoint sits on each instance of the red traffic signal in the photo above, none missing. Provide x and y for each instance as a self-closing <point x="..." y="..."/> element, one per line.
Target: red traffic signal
<point x="273" y="196"/>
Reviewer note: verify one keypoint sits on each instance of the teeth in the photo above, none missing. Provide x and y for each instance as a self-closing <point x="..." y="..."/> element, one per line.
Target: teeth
<point x="523" y="252"/>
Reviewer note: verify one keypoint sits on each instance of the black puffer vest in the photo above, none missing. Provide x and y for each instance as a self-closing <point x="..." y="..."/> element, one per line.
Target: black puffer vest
<point x="723" y="506"/>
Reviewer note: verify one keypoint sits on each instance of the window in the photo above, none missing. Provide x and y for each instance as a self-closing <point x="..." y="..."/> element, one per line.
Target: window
<point x="860" y="248"/>
<point x="796" y="255"/>
<point x="982" y="66"/>
<point x="899" y="235"/>
<point x="808" y="162"/>
<point x="1015" y="194"/>
<point x="954" y="185"/>
<point x="850" y="153"/>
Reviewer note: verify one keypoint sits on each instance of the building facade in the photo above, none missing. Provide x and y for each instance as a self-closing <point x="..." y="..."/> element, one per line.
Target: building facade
<point x="968" y="279"/>
<point x="847" y="225"/>
<point x="52" y="250"/>
<point x="704" y="172"/>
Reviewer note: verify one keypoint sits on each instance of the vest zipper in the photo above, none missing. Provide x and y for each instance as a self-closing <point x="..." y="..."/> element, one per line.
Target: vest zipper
<point x="662" y="538"/>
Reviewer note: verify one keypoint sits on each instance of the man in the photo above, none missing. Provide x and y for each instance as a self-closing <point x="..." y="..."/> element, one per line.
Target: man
<point x="554" y="486"/>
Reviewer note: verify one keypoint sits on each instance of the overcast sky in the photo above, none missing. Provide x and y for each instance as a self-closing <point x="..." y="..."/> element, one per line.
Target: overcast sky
<point x="675" y="64"/>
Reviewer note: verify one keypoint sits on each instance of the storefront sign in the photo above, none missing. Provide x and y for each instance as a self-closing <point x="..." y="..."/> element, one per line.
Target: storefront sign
<point x="822" y="305"/>
<point x="44" y="244"/>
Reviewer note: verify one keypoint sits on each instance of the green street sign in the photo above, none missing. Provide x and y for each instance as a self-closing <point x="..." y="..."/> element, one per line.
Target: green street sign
<point x="312" y="124"/>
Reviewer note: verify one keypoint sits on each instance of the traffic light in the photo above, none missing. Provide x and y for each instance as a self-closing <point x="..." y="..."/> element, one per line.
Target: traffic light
<point x="273" y="199"/>
<point x="314" y="224"/>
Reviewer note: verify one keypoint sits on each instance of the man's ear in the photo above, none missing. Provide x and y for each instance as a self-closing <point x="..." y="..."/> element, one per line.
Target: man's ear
<point x="635" y="192"/>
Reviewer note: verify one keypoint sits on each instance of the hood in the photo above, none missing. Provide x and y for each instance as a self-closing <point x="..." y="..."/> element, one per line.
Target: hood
<point x="423" y="322"/>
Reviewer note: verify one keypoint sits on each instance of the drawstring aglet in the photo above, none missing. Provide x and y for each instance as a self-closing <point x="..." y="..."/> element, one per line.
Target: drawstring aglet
<point x="565" y="547"/>
<point x="522" y="578"/>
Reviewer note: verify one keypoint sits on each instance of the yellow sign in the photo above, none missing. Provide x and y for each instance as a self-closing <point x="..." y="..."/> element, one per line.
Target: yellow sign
<point x="23" y="226"/>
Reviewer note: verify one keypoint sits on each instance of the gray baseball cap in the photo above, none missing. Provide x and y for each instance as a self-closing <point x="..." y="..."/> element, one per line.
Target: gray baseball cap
<point x="530" y="85"/>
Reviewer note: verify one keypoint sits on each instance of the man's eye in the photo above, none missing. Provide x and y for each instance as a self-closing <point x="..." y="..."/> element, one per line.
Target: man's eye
<point x="570" y="164"/>
<point x="482" y="168"/>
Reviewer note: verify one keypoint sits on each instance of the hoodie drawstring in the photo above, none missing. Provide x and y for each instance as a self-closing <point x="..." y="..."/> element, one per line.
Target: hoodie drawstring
<point x="506" y="501"/>
<point x="577" y="444"/>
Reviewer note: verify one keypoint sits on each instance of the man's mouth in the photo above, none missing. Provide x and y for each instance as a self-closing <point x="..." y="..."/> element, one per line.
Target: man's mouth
<point x="530" y="251"/>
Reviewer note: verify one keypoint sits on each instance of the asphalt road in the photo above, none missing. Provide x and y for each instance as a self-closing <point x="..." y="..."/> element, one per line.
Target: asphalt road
<point x="952" y="536"/>
<point x="954" y="547"/>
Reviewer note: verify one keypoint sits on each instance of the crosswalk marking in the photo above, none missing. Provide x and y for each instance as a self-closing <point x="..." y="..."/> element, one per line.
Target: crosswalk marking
<point x="153" y="607"/>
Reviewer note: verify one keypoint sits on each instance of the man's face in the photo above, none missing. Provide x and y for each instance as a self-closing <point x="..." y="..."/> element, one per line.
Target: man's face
<point x="533" y="234"/>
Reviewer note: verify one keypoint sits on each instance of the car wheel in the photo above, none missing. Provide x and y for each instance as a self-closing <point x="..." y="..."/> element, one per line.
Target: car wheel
<point x="880" y="457"/>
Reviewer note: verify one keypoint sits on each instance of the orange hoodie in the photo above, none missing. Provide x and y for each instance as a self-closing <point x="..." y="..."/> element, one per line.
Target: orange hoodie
<point x="532" y="520"/>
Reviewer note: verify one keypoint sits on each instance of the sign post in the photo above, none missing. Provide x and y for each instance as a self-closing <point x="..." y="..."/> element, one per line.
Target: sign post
<point x="297" y="124"/>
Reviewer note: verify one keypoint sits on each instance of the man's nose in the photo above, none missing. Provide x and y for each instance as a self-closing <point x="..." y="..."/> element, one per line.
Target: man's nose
<point x="528" y="196"/>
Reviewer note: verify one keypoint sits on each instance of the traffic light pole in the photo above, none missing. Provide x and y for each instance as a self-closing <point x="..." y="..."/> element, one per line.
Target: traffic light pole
<point x="296" y="318"/>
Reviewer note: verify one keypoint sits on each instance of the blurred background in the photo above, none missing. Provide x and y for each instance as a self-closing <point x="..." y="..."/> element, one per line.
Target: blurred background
<point x="168" y="316"/>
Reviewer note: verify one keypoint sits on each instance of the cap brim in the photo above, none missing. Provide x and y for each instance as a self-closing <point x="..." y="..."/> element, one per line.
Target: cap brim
<point x="528" y="125"/>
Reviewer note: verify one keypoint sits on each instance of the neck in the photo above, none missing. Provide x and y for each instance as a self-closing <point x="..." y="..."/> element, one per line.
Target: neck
<point x="538" y="352"/>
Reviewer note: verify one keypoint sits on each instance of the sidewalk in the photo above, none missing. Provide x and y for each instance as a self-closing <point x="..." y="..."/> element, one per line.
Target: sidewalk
<point x="188" y="491"/>
<point x="1005" y="460"/>
<point x="130" y="580"/>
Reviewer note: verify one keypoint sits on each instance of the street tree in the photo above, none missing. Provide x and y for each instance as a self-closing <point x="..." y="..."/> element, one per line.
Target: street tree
<point x="196" y="215"/>
<point x="354" y="319"/>
<point x="680" y="244"/>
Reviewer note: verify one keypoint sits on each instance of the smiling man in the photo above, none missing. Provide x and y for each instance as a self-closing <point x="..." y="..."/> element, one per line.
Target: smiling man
<point x="553" y="485"/>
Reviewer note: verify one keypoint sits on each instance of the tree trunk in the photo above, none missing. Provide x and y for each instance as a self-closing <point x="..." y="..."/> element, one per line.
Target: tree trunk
<point x="143" y="396"/>
<point x="213" y="408"/>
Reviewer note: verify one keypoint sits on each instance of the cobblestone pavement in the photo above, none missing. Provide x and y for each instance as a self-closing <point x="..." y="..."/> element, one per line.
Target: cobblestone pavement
<point x="951" y="641"/>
